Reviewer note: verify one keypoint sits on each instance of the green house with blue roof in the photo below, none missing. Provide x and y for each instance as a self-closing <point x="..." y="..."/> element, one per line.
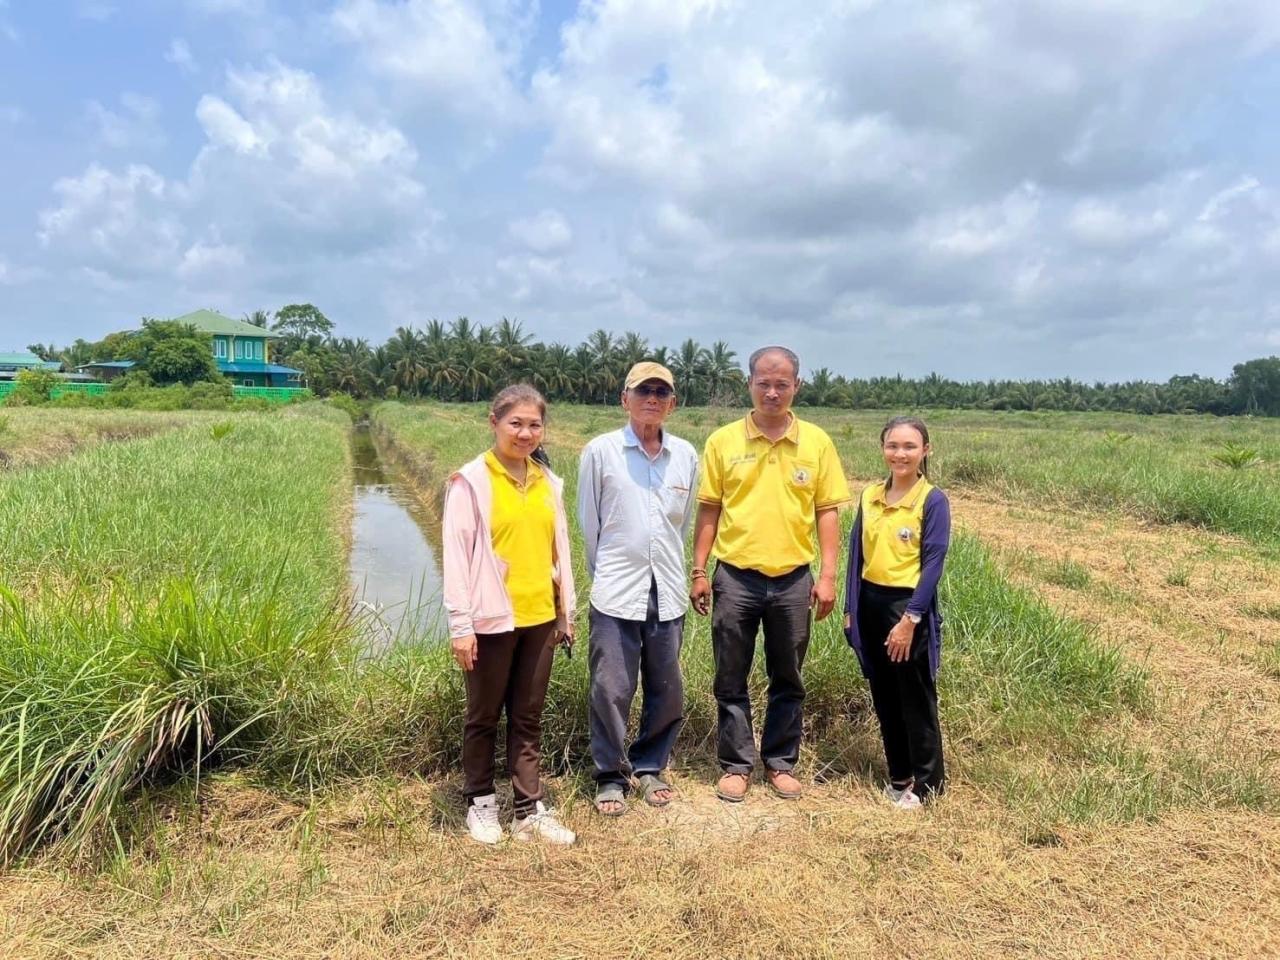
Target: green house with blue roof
<point x="241" y="351"/>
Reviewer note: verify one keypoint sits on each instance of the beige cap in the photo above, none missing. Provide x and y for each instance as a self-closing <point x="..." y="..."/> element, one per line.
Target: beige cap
<point x="648" y="370"/>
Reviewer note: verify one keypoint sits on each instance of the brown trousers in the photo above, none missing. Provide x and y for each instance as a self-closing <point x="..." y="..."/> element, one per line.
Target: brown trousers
<point x="512" y="671"/>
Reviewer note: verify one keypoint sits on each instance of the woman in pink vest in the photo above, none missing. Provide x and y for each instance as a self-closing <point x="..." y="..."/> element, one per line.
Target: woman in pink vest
<point x="508" y="592"/>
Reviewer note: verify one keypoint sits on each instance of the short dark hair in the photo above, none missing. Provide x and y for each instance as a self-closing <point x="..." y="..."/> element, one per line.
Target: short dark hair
<point x="781" y="351"/>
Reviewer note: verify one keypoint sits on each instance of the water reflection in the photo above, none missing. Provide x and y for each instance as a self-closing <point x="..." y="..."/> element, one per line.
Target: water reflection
<point x="394" y="573"/>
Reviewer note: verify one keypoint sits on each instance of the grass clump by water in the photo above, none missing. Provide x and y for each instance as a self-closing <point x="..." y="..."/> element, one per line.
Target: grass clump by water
<point x="98" y="697"/>
<point x="171" y="603"/>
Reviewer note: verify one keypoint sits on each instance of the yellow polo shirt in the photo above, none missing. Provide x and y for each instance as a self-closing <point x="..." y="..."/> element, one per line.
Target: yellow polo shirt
<point x="769" y="492"/>
<point x="891" y="535"/>
<point x="524" y="528"/>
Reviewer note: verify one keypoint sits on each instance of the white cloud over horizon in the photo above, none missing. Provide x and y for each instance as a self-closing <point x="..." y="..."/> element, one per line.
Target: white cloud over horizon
<point x="1051" y="189"/>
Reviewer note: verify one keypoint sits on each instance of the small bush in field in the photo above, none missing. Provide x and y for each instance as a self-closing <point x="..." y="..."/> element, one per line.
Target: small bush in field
<point x="1237" y="456"/>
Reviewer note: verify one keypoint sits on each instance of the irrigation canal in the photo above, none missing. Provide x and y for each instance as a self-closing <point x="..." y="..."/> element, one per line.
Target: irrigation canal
<point x="395" y="572"/>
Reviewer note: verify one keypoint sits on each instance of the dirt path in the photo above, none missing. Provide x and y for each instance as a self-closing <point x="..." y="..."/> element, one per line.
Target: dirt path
<point x="1195" y="608"/>
<point x="837" y="874"/>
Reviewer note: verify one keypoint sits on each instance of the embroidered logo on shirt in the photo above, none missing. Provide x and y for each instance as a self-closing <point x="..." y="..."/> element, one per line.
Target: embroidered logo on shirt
<point x="904" y="534"/>
<point x="800" y="477"/>
<point x="742" y="458"/>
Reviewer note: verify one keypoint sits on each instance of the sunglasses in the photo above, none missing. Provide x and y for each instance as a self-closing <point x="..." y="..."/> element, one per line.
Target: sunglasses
<point x="661" y="391"/>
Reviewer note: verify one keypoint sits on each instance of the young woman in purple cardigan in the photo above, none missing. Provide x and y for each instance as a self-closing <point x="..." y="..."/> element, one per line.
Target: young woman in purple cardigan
<point x="896" y="553"/>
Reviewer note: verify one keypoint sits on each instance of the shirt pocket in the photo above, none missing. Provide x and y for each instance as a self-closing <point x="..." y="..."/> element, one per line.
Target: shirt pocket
<point x="902" y="530"/>
<point x="801" y="479"/>
<point x="675" y="501"/>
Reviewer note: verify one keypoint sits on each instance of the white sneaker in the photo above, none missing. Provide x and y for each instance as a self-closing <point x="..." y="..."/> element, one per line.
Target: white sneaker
<point x="482" y="820"/>
<point x="908" y="800"/>
<point x="894" y="794"/>
<point x="542" y="823"/>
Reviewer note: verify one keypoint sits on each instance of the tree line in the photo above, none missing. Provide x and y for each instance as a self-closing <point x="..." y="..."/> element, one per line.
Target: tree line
<point x="467" y="361"/>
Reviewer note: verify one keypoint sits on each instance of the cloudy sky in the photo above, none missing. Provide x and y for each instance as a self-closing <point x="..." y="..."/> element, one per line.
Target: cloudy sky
<point x="1086" y="188"/>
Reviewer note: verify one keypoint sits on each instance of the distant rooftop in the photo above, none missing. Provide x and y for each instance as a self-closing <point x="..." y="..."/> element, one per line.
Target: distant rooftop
<point x="27" y="359"/>
<point x="210" y="321"/>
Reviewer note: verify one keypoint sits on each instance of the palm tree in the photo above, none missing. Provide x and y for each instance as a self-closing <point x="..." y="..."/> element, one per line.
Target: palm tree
<point x="511" y="345"/>
<point x="688" y="366"/>
<point x="471" y="368"/>
<point x="462" y="330"/>
<point x="407" y="368"/>
<point x="604" y="356"/>
<point x="724" y="376"/>
<point x="631" y="349"/>
<point x="557" y="372"/>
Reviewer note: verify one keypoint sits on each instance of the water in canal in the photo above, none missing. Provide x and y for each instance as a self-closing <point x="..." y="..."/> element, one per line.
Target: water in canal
<point x="395" y="574"/>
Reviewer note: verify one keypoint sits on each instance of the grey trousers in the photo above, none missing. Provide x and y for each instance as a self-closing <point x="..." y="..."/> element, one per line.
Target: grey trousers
<point x="743" y="600"/>
<point x="622" y="652"/>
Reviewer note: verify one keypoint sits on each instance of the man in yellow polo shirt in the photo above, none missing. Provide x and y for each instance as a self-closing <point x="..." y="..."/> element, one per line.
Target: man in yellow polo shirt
<point x="770" y="483"/>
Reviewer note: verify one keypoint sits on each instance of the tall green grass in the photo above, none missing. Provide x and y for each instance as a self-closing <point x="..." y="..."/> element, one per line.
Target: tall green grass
<point x="171" y="603"/>
<point x="234" y="507"/>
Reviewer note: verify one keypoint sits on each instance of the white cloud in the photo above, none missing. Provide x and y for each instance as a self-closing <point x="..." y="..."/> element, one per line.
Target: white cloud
<point x="225" y="127"/>
<point x="546" y="233"/>
<point x="124" y="223"/>
<point x="135" y="126"/>
<point x="456" y="54"/>
<point x="179" y="54"/>
<point x="203" y="258"/>
<point x="12" y="275"/>
<point x="283" y="179"/>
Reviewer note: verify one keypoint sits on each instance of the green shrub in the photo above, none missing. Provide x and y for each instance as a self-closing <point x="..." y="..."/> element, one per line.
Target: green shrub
<point x="348" y="404"/>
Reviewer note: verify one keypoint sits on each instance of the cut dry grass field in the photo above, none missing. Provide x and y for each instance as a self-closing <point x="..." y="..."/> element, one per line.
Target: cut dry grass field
<point x="382" y="873"/>
<point x="1108" y="700"/>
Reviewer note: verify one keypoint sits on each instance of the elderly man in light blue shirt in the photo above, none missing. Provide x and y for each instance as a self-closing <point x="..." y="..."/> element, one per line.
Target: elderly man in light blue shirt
<point x="636" y="491"/>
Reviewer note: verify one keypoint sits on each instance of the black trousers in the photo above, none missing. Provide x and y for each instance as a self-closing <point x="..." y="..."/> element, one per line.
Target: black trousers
<point x="904" y="694"/>
<point x="743" y="602"/>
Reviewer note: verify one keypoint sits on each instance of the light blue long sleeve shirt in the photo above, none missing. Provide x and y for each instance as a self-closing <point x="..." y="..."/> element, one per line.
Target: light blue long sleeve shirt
<point x="635" y="513"/>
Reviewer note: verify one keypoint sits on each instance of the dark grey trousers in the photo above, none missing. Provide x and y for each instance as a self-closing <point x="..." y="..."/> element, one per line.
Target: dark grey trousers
<point x="622" y="652"/>
<point x="743" y="600"/>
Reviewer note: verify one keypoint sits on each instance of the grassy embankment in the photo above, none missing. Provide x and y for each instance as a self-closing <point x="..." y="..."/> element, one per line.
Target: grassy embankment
<point x="170" y="604"/>
<point x="1038" y="712"/>
<point x="30" y="436"/>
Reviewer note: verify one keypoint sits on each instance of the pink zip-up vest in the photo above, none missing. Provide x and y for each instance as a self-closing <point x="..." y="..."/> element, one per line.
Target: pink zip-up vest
<point x="475" y="590"/>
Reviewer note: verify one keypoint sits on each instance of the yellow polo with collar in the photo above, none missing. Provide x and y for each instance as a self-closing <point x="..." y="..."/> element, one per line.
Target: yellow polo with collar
<point x="891" y="535"/>
<point x="523" y="525"/>
<point x="769" y="493"/>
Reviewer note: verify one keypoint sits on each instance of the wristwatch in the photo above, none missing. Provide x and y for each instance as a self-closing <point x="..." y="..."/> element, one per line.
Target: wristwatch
<point x="913" y="617"/>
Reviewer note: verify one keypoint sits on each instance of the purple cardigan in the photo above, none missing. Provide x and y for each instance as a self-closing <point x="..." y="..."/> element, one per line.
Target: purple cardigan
<point x="935" y="537"/>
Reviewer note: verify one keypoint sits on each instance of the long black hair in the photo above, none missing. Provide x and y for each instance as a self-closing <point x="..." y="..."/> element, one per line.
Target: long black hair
<point x="916" y="424"/>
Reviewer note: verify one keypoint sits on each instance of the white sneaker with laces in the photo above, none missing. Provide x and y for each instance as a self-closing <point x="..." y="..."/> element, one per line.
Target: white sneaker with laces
<point x="908" y="801"/>
<point x="542" y="823"/>
<point x="482" y="820"/>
